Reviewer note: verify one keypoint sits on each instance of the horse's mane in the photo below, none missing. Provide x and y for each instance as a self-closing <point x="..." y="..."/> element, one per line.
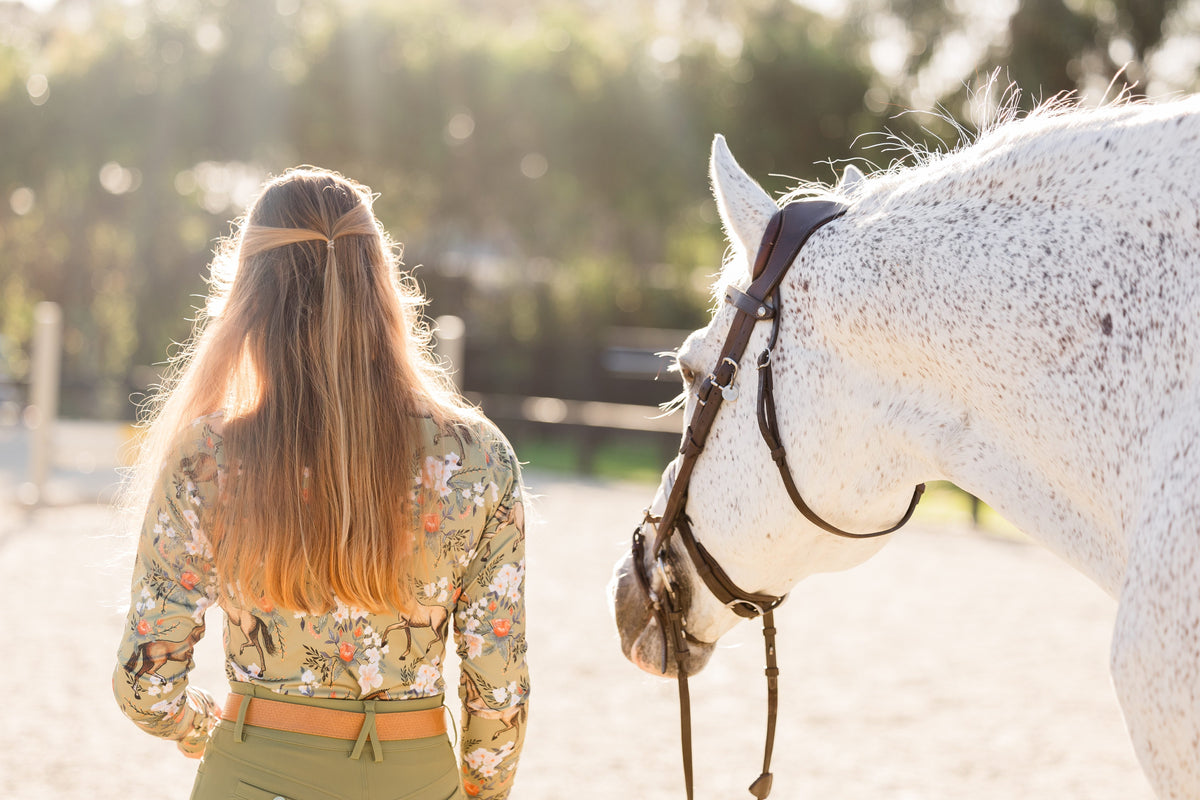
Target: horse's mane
<point x="1004" y="118"/>
<point x="1003" y="115"/>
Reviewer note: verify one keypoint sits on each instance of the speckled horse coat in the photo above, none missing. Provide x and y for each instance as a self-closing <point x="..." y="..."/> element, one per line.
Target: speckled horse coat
<point x="1020" y="317"/>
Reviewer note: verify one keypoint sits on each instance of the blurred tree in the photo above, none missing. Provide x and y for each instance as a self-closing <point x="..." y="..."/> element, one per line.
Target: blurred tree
<point x="932" y="53"/>
<point x="544" y="163"/>
<point x="1046" y="41"/>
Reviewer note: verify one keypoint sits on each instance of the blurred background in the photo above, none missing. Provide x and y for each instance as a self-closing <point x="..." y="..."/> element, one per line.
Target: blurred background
<point x="543" y="161"/>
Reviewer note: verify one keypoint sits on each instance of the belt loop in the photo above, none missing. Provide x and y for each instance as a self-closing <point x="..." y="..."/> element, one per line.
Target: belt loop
<point x="239" y="730"/>
<point x="368" y="732"/>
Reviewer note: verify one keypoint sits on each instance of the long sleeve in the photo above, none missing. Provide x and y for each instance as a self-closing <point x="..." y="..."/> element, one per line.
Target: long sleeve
<point x="490" y="631"/>
<point x="174" y="582"/>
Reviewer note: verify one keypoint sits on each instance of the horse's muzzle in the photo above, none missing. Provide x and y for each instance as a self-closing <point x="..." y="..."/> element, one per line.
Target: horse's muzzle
<point x="642" y="639"/>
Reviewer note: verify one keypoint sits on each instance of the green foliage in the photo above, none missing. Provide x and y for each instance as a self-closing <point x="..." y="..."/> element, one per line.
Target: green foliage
<point x="1044" y="47"/>
<point x="544" y="163"/>
<point x="615" y="459"/>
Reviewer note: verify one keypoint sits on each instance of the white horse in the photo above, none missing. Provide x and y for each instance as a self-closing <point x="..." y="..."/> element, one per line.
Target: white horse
<point x="1020" y="317"/>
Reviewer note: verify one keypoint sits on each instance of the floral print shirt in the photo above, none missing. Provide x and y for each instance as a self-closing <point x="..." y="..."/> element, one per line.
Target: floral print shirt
<point x="467" y="490"/>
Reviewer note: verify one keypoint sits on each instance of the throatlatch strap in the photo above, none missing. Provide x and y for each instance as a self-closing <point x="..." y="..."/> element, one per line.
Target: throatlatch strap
<point x="768" y="426"/>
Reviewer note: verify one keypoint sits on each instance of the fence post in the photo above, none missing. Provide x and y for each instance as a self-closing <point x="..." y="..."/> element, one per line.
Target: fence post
<point x="449" y="334"/>
<point x="43" y="398"/>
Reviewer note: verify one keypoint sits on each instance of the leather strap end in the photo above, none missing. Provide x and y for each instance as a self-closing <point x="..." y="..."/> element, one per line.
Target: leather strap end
<point x="762" y="786"/>
<point x="749" y="304"/>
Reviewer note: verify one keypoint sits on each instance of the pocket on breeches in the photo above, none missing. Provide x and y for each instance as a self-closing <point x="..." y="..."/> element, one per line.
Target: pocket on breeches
<point x="447" y="787"/>
<point x="258" y="769"/>
<point x="245" y="791"/>
<point x="260" y="789"/>
<point x="418" y="770"/>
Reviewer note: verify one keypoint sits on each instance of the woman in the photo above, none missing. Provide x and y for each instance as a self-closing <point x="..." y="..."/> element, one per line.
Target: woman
<point x="311" y="470"/>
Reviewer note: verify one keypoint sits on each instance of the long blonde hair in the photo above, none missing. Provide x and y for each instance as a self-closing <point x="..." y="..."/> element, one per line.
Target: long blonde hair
<point x="313" y="349"/>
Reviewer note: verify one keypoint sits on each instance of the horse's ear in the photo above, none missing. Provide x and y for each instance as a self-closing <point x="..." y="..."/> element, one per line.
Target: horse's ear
<point x="850" y="176"/>
<point x="745" y="208"/>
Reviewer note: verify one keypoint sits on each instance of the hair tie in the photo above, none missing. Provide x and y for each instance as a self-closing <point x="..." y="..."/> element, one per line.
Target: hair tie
<point x="329" y="243"/>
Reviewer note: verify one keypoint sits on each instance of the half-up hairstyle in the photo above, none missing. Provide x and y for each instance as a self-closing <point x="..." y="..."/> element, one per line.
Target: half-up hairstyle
<point x="313" y="350"/>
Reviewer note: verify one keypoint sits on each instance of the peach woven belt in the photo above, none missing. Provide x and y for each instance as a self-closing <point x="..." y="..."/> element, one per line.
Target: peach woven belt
<point x="333" y="723"/>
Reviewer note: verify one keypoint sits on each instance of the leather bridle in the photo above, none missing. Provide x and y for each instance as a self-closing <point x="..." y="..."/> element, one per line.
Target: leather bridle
<point x="786" y="233"/>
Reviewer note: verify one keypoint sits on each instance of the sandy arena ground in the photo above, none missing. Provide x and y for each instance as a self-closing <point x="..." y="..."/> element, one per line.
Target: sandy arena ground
<point x="953" y="665"/>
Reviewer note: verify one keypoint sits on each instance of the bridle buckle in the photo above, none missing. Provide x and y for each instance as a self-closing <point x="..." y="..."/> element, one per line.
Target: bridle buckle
<point x="754" y="609"/>
<point x="729" y="392"/>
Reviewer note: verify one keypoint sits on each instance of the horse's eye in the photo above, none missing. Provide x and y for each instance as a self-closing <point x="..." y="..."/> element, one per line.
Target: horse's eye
<point x="689" y="375"/>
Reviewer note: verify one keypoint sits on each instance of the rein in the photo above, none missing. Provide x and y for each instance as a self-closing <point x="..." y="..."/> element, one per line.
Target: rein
<point x="786" y="234"/>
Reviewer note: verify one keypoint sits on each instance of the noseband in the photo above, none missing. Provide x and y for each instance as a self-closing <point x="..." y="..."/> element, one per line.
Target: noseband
<point x="786" y="233"/>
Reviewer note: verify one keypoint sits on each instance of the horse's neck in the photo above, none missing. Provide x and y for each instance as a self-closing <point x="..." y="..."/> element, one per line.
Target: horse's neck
<point x="1036" y="301"/>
